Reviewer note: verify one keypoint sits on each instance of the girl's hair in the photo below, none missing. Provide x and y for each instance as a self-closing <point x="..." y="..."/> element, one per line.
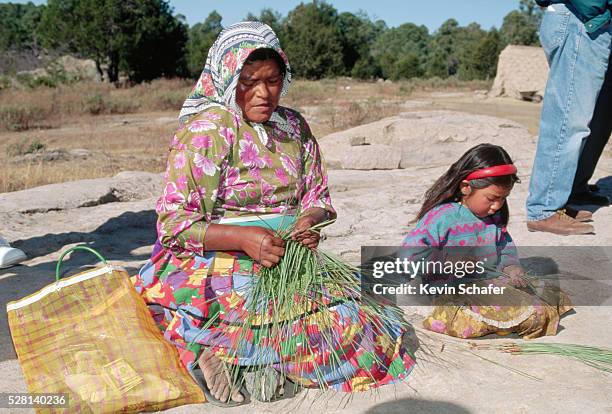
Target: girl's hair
<point x="266" y="54"/>
<point x="447" y="188"/>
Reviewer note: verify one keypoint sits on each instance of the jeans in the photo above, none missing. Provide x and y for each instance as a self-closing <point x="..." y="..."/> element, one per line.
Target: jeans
<point x="578" y="62"/>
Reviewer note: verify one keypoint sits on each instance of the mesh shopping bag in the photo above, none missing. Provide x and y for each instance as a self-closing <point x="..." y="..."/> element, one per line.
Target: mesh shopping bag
<point x="91" y="336"/>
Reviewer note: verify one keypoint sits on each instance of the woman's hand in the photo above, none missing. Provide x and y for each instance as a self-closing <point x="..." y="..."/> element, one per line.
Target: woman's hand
<point x="262" y="245"/>
<point x="516" y="273"/>
<point x="302" y="234"/>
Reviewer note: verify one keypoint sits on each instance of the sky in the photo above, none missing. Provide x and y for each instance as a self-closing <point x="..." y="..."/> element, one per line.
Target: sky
<point x="431" y="13"/>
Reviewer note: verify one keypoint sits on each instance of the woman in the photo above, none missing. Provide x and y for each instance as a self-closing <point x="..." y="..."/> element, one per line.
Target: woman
<point x="237" y="160"/>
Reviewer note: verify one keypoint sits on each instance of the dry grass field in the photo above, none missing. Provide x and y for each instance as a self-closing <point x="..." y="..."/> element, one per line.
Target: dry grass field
<point x="128" y="128"/>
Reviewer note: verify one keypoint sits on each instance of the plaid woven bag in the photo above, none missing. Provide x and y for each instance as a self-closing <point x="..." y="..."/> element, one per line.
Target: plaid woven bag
<point x="92" y="338"/>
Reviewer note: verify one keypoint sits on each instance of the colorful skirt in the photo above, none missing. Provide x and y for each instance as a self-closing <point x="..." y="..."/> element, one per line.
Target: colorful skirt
<point x="528" y="314"/>
<point x="202" y="301"/>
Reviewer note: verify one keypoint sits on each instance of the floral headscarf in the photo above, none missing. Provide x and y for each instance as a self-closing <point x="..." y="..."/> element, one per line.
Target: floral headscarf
<point x="217" y="83"/>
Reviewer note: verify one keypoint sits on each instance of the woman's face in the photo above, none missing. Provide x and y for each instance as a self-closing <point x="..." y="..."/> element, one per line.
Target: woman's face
<point x="259" y="90"/>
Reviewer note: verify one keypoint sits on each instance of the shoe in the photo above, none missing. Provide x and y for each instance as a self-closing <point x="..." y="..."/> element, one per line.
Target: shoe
<point x="10" y="256"/>
<point x="589" y="198"/>
<point x="594" y="188"/>
<point x="198" y="376"/>
<point x="580" y="215"/>
<point x="560" y="223"/>
<point x="265" y="384"/>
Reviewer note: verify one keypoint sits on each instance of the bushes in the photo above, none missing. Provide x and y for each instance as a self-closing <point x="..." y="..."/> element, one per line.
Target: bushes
<point x="19" y="117"/>
<point x="51" y="77"/>
<point x="42" y="105"/>
<point x="407" y="67"/>
<point x="23" y="148"/>
<point x="5" y="82"/>
<point x="98" y="103"/>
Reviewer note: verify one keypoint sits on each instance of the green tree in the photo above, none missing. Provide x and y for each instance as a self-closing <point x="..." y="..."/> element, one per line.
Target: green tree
<point x="520" y="27"/>
<point x="531" y="9"/>
<point x="366" y="68"/>
<point x="358" y="34"/>
<point x="437" y="64"/>
<point x="468" y="41"/>
<point x="272" y="18"/>
<point x="395" y="44"/>
<point x="19" y="26"/>
<point x="518" y="30"/>
<point x="157" y="48"/>
<point x="443" y="60"/>
<point x="313" y="41"/>
<point x="481" y="61"/>
<point x="140" y="38"/>
<point x="487" y="55"/>
<point x="201" y="37"/>
<point x="407" y="67"/>
<point x="466" y="52"/>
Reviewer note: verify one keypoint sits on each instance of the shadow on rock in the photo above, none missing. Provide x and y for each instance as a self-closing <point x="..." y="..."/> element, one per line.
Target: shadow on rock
<point x="121" y="239"/>
<point x="605" y="186"/>
<point x="409" y="405"/>
<point x="115" y="238"/>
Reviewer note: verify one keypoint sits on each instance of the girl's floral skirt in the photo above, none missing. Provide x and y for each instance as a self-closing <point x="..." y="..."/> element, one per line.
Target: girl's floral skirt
<point x="530" y="314"/>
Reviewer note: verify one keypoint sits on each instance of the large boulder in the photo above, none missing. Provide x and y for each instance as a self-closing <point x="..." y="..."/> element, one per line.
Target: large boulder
<point x="125" y="186"/>
<point x="420" y="139"/>
<point x="68" y="67"/>
<point x="369" y="157"/>
<point x="522" y="72"/>
<point x="82" y="69"/>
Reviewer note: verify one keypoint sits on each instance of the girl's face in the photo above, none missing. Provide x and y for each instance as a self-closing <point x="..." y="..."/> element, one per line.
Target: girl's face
<point x="486" y="201"/>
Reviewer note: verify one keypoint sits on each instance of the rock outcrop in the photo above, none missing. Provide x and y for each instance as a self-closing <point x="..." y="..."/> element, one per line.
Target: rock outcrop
<point x="421" y="138"/>
<point x="522" y="72"/>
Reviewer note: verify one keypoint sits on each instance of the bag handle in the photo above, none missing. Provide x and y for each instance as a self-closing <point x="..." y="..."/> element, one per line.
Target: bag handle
<point x="79" y="247"/>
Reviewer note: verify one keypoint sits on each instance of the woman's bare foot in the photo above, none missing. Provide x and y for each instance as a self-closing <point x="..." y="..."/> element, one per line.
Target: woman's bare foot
<point x="217" y="378"/>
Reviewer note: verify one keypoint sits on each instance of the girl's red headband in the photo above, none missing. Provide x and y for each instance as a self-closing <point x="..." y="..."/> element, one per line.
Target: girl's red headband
<point x="496" y="171"/>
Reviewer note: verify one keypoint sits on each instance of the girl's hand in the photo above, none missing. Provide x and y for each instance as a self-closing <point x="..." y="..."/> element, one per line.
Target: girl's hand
<point x="262" y="245"/>
<point x="515" y="273"/>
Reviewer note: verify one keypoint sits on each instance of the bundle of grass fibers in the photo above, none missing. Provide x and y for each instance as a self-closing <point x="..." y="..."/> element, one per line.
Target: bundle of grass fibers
<point x="595" y="357"/>
<point x="290" y="298"/>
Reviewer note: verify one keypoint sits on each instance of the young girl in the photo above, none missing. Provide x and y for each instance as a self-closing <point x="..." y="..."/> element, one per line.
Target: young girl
<point x="466" y="208"/>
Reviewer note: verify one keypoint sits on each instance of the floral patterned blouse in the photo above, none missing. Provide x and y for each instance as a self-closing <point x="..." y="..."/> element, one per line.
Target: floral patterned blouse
<point x="221" y="165"/>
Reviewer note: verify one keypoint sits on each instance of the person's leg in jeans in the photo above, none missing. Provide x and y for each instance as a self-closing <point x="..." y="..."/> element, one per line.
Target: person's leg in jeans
<point x="578" y="63"/>
<point x="601" y="129"/>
